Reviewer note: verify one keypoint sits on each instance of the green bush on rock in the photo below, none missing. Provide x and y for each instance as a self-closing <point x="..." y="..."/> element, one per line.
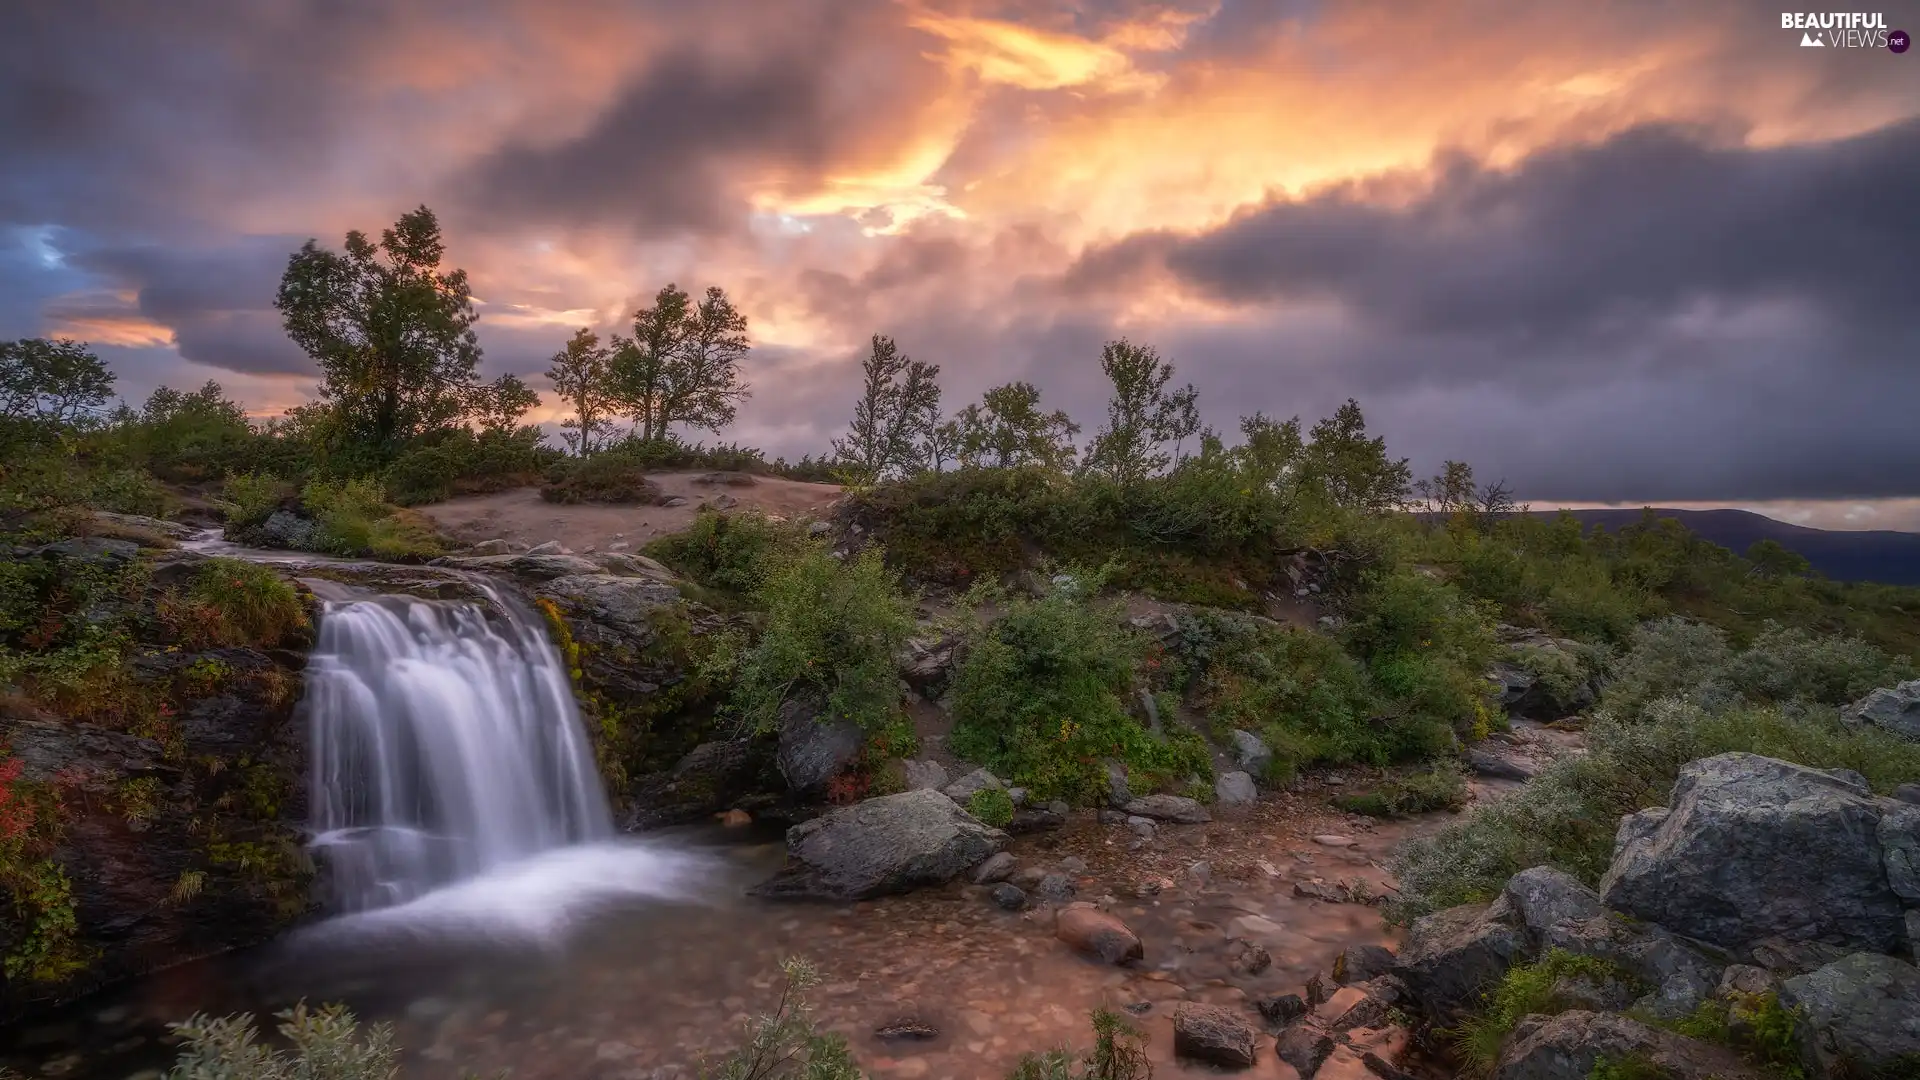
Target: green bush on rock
<point x="993" y="806"/>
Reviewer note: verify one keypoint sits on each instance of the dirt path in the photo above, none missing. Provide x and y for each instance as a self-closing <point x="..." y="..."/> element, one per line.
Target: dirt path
<point x="522" y="516"/>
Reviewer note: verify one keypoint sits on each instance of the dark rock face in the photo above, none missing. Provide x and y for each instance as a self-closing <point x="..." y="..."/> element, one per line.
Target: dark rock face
<point x="1861" y="1013"/>
<point x="1214" y="1035"/>
<point x="1732" y="861"/>
<point x="1543" y="897"/>
<point x="887" y="845"/>
<point x="1360" y="963"/>
<point x="1304" y="1045"/>
<point x="1281" y="1008"/>
<point x="815" y="748"/>
<point x="1679" y="976"/>
<point x="712" y="777"/>
<point x="1452" y="956"/>
<point x="1569" y="1046"/>
<point x="1895" y="709"/>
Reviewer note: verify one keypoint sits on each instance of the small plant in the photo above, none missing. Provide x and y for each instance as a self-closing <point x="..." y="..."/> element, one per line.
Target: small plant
<point x="1118" y="1053"/>
<point x="785" y="1044"/>
<point x="249" y="498"/>
<point x="1757" y="1025"/>
<point x="327" y="1044"/>
<point x="732" y="552"/>
<point x="1525" y="990"/>
<point x="140" y="800"/>
<point x="1629" y="1068"/>
<point x="234" y="602"/>
<point x="1442" y="788"/>
<point x="187" y="886"/>
<point x="992" y="805"/>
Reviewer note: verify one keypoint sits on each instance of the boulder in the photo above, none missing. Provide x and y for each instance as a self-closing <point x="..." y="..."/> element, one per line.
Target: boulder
<point x="1142" y="827"/>
<point x="1729" y="863"/>
<point x="1907" y="793"/>
<point x="172" y="530"/>
<point x="1009" y="896"/>
<point x="1677" y="976"/>
<point x="1304" y="1045"/>
<point x="1281" y="1008"/>
<point x="1213" y="1034"/>
<point x="1861" y="1016"/>
<point x="927" y="663"/>
<point x="1571" y="1045"/>
<point x="1097" y="933"/>
<point x="551" y="547"/>
<point x="1033" y="821"/>
<point x="815" y="748"/>
<point x="1175" y="808"/>
<point x="711" y="777"/>
<point x="1234" y="789"/>
<point x="1365" y="1005"/>
<point x="1251" y="753"/>
<point x="282" y="529"/>
<point x="623" y="605"/>
<point x="998" y="867"/>
<point x="964" y="788"/>
<point x="1543" y="897"/>
<point x="1900" y="850"/>
<point x="1895" y="709"/>
<point x="922" y="773"/>
<point x="886" y="845"/>
<point x="1118" y="793"/>
<point x="1495" y="761"/>
<point x="1360" y="963"/>
<point x="1451" y="957"/>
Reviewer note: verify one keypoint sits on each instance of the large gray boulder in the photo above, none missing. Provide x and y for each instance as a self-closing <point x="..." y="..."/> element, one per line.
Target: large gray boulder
<point x="1860" y="1014"/>
<point x="1251" y="752"/>
<point x="815" y="747"/>
<point x="1755" y="847"/>
<point x="1453" y="956"/>
<point x="1900" y="850"/>
<point x="1543" y="897"/>
<point x="1896" y="709"/>
<point x="1569" y="1046"/>
<point x="887" y="845"/>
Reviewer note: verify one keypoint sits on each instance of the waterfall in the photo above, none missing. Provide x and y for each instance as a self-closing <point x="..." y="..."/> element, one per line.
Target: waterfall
<point x="446" y="743"/>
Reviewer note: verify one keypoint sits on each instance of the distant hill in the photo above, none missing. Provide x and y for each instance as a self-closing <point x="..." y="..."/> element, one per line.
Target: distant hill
<point x="1883" y="556"/>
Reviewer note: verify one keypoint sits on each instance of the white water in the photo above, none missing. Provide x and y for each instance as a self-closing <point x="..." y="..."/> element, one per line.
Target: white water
<point x="445" y="746"/>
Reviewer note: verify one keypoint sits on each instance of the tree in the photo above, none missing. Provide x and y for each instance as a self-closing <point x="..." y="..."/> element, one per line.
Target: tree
<point x="682" y="365"/>
<point x="1449" y="491"/>
<point x="582" y="374"/>
<point x="1007" y="429"/>
<point x="1772" y="559"/>
<point x="392" y="333"/>
<point x="1351" y="470"/>
<point x="499" y="405"/>
<point x="1142" y="416"/>
<point x="1269" y="454"/>
<point x="896" y="422"/>
<point x="54" y="383"/>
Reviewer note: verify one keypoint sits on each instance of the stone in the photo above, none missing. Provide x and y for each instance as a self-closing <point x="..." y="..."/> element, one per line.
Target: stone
<point x="1491" y="761"/>
<point x="1009" y="896"/>
<point x="818" y="528"/>
<point x="674" y="500"/>
<point x="495" y="546"/>
<point x="1861" y="1013"/>
<point x="1304" y="1045"/>
<point x="1452" y="956"/>
<point x="1281" y="1008"/>
<point x="1543" y="897"/>
<point x="1247" y="958"/>
<point x="1059" y="808"/>
<point x="735" y="819"/>
<point x="1097" y="933"/>
<point x="998" y="867"/>
<point x="551" y="547"/>
<point x="1118" y="793"/>
<point x="1174" y="808"/>
<point x="815" y="748"/>
<point x="1895" y="709"/>
<point x="1679" y="975"/>
<point x="964" y="788"/>
<point x="1234" y="789"/>
<point x="1569" y="1046"/>
<point x="1017" y="796"/>
<point x="1900" y="851"/>
<point x="172" y="530"/>
<point x="1251" y="752"/>
<point x="921" y="774"/>
<point x="1594" y="993"/>
<point x="927" y="663"/>
<point x="725" y="502"/>
<point x="1033" y="821"/>
<point x="1073" y="864"/>
<point x="891" y="844"/>
<point x="1028" y="877"/>
<point x="1783" y="958"/>
<point x="1111" y="817"/>
<point x="1744" y="979"/>
<point x="1361" y="963"/>
<point x="1055" y="888"/>
<point x="1907" y="793"/>
<point x="1333" y="840"/>
<point x="1319" y="890"/>
<point x="1365" y="1005"/>
<point x="1729" y="865"/>
<point x="1214" y="1035"/>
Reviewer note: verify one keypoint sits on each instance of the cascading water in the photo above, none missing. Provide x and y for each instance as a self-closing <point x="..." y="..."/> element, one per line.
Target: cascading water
<point x="445" y="744"/>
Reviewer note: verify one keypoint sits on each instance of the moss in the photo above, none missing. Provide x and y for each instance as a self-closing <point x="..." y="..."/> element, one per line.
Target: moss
<point x="1756" y="1025"/>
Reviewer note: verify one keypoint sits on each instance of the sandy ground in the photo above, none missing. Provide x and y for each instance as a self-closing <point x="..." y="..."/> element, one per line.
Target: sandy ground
<point x="521" y="515"/>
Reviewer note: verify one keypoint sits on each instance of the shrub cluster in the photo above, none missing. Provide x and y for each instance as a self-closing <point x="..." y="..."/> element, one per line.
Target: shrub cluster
<point x="602" y="478"/>
<point x="732" y="552"/>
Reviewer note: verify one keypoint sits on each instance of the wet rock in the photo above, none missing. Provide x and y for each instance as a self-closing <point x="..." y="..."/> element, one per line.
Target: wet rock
<point x="1281" y="1008"/>
<point x="283" y="529"/>
<point x="710" y="778"/>
<point x="1118" y="793"/>
<point x="1073" y="864"/>
<point x="997" y="867"/>
<point x="924" y="774"/>
<point x="1680" y="976"/>
<point x="1033" y="821"/>
<point x="1861" y="1013"/>
<point x="1247" y="958"/>
<point x="886" y="845"/>
<point x="1319" y="890"/>
<point x="495" y="546"/>
<point x="1895" y="709"/>
<point x="1496" y="761"/>
<point x="1009" y="896"/>
<point x="964" y="788"/>
<point x="1141" y="827"/>
<point x="1571" y="1045"/>
<point x="1304" y="1045"/>
<point x="1543" y="897"/>
<point x="819" y="528"/>
<point x="551" y="547"/>
<point x="1368" y="1005"/>
<point x="1251" y="753"/>
<point x="1027" y="877"/>
<point x="1174" y="808"/>
<point x="1055" y="888"/>
<point x="1097" y="933"/>
<point x="815" y="748"/>
<point x="1744" y="979"/>
<point x="736" y="819"/>
<point x="1729" y="863"/>
<point x="1360" y="963"/>
<point x="1333" y="840"/>
<point x="1234" y="789"/>
<point x="907" y="1029"/>
<point x="1059" y="809"/>
<point x="1452" y="956"/>
<point x="927" y="663"/>
<point x="1214" y="1035"/>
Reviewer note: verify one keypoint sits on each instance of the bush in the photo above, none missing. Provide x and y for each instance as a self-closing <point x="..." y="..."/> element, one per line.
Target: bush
<point x="1525" y="990"/>
<point x="1118" y="1054"/>
<point x="249" y="498"/>
<point x="993" y="806"/>
<point x="129" y="491"/>
<point x="1427" y="647"/>
<point x="731" y="552"/>
<point x="1041" y="696"/>
<point x="602" y="478"/>
<point x="326" y="1044"/>
<point x="1444" y="788"/>
<point x="233" y="602"/>
<point x="832" y="629"/>
<point x="785" y="1044"/>
<point x="1309" y="700"/>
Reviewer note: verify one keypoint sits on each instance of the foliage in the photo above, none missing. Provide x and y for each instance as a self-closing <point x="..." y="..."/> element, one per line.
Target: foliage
<point x="249" y="498"/>
<point x="1342" y="465"/>
<point x="992" y="805"/>
<point x="1525" y="990"/>
<point x="831" y="632"/>
<point x="1562" y="672"/>
<point x="461" y="461"/>
<point x="602" y="478"/>
<point x="233" y="602"/>
<point x="1629" y="1068"/>
<point x="181" y="436"/>
<point x="47" y="386"/>
<point x="34" y="890"/>
<point x="733" y="552"/>
<point x="1041" y="696"/>
<point x="786" y="1043"/>
<point x="682" y="365"/>
<point x="1441" y="788"/>
<point x="1426" y="646"/>
<point x="325" y="1044"/>
<point x="129" y="491"/>
<point x="896" y="417"/>
<point x="1142" y="416"/>
<point x="582" y="376"/>
<point x="355" y="519"/>
<point x="1757" y="1025"/>
<point x="1007" y="430"/>
<point x="1118" y="1054"/>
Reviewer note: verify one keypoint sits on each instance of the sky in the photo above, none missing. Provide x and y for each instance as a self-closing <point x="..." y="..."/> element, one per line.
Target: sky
<point x="1614" y="253"/>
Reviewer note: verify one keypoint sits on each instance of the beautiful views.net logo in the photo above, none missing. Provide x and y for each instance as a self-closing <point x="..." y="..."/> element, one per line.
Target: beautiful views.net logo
<point x="1845" y="30"/>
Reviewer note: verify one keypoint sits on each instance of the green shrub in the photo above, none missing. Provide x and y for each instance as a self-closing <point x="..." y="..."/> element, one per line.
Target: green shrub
<point x="1042" y="697"/>
<point x="325" y="1044"/>
<point x="1443" y="788"/>
<point x="831" y="630"/>
<point x="1118" y="1053"/>
<point x="1525" y="990"/>
<point x="1562" y="672"/>
<point x="1757" y="1025"/>
<point x="785" y="1044"/>
<point x="346" y="511"/>
<point x="129" y="491"/>
<point x="234" y="602"/>
<point x="1630" y="1068"/>
<point x="732" y="552"/>
<point x="249" y="498"/>
<point x="602" y="478"/>
<point x="992" y="805"/>
<point x="1427" y="647"/>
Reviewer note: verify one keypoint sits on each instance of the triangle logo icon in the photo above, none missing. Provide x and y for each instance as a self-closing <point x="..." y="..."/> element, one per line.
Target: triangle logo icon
<point x="1808" y="41"/>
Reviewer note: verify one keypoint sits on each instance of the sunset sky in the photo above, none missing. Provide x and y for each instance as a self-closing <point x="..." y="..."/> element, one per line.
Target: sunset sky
<point x="1633" y="252"/>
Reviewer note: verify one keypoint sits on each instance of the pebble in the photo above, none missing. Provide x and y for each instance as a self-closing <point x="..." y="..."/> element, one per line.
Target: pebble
<point x="1334" y="840"/>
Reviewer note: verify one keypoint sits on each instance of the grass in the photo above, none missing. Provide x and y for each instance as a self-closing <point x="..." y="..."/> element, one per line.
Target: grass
<point x="1442" y="788"/>
<point x="1525" y="990"/>
<point x="232" y="602"/>
<point x="1756" y="1025"/>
